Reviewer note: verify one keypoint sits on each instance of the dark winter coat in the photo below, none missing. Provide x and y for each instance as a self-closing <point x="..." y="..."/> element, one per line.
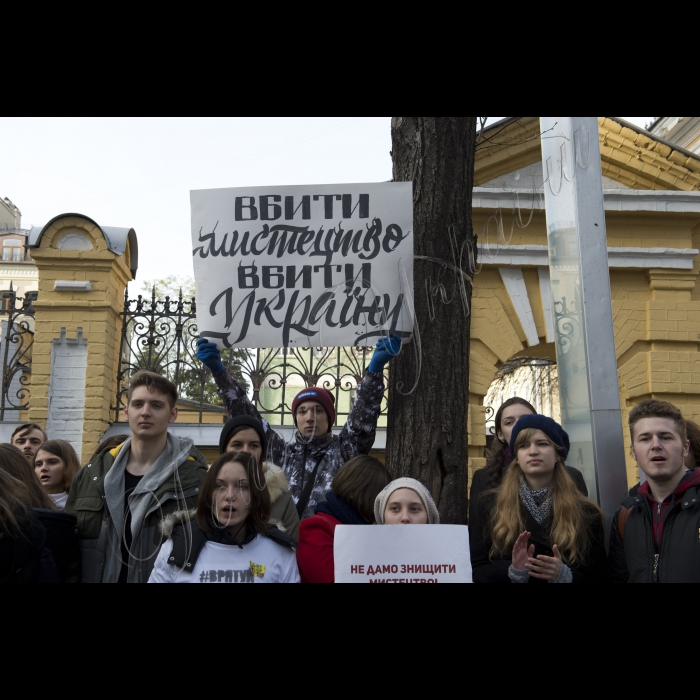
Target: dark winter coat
<point x="323" y="456"/>
<point x="24" y="557"/>
<point x="98" y="542"/>
<point x="594" y="570"/>
<point x="634" y="559"/>
<point x="62" y="542"/>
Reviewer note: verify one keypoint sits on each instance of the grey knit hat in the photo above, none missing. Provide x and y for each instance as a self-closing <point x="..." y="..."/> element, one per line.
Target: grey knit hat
<point x="383" y="498"/>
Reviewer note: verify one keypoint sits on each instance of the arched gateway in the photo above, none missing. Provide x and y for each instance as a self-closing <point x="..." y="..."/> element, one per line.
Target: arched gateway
<point x="652" y="203"/>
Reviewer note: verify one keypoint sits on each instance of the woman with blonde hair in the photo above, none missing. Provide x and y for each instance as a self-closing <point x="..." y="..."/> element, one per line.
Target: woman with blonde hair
<point x="56" y="465"/>
<point x="537" y="527"/>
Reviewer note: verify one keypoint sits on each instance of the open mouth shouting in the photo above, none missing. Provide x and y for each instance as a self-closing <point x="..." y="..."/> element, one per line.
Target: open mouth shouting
<point x="228" y="513"/>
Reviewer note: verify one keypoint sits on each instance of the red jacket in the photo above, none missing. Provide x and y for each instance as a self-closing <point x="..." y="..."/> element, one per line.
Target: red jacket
<point x="315" y="554"/>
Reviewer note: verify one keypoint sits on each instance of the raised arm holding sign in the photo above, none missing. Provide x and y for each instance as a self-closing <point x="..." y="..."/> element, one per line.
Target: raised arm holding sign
<point x="313" y="458"/>
<point x="320" y="266"/>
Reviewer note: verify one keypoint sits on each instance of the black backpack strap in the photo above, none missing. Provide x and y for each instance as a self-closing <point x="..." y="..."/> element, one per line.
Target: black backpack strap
<point x="186" y="548"/>
<point x="308" y="490"/>
<point x="622" y="521"/>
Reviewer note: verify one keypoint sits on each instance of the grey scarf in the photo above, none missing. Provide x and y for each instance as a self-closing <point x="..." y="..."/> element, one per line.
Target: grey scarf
<point x="539" y="503"/>
<point x="175" y="453"/>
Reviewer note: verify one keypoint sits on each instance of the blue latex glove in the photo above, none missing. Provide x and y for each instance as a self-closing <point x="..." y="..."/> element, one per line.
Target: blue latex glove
<point x="387" y="349"/>
<point x="210" y="356"/>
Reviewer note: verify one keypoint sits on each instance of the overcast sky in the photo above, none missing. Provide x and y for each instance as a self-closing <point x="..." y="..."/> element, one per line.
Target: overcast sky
<point x="137" y="172"/>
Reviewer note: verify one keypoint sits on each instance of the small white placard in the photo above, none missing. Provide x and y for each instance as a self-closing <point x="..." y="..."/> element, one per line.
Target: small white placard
<point x="402" y="554"/>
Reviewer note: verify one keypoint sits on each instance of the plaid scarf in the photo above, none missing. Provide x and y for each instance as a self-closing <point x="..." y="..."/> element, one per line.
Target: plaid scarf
<point x="539" y="503"/>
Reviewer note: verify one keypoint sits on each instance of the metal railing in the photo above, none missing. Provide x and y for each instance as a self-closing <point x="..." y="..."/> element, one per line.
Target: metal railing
<point x="161" y="335"/>
<point x="16" y="342"/>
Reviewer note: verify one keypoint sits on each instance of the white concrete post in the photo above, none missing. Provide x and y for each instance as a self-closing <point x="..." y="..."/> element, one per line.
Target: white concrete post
<point x="66" y="415"/>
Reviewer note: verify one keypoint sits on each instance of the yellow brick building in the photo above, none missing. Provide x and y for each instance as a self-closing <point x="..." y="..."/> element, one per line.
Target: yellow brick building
<point x="652" y="201"/>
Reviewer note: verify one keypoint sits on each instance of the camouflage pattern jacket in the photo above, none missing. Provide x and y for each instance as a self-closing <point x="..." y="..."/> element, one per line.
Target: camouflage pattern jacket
<point x="300" y="457"/>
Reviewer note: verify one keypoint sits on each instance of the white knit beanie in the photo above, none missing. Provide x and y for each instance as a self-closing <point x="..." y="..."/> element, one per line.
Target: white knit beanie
<point x="383" y="498"/>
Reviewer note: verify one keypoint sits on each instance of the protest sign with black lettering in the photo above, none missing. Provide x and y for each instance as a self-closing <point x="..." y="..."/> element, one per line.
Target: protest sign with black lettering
<point x="307" y="266"/>
<point x="402" y="554"/>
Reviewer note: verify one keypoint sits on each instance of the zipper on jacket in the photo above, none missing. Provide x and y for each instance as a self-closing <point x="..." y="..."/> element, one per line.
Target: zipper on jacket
<point x="657" y="546"/>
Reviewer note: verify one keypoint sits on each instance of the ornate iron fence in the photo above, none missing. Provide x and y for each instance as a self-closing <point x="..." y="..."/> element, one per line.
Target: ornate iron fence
<point x="16" y="341"/>
<point x="161" y="336"/>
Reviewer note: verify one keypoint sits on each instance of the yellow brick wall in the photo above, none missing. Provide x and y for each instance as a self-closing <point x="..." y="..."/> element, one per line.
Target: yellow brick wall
<point x="656" y="317"/>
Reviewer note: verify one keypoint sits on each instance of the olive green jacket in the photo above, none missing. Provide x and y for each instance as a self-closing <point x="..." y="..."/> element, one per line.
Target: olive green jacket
<point x="100" y="544"/>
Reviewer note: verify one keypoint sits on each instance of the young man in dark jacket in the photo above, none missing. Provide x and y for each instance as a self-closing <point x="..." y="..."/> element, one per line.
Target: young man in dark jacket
<point x="311" y="461"/>
<point x="121" y="497"/>
<point x="656" y="533"/>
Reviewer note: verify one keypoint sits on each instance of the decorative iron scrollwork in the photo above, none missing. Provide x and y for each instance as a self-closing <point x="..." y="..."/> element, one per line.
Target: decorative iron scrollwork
<point x="161" y="336"/>
<point x="17" y="316"/>
<point x="567" y="316"/>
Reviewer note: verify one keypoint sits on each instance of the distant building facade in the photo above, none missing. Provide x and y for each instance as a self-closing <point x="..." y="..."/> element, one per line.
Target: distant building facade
<point x="17" y="269"/>
<point x="682" y="131"/>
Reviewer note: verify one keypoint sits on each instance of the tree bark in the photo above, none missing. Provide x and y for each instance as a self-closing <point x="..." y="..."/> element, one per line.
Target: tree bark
<point x="427" y="430"/>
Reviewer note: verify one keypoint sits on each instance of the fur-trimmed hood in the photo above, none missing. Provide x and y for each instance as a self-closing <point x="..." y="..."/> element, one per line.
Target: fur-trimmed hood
<point x="168" y="524"/>
<point x="277" y="483"/>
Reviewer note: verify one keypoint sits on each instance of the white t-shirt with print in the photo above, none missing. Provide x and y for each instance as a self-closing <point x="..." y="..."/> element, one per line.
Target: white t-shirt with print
<point x="261" y="561"/>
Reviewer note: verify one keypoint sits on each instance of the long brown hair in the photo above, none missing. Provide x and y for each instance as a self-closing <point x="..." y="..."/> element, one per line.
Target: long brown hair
<point x="14" y="463"/>
<point x="693" y="431"/>
<point x="65" y="452"/>
<point x="13" y="503"/>
<point x="260" y="503"/>
<point x="572" y="512"/>
<point x="359" y="483"/>
<point x="497" y="458"/>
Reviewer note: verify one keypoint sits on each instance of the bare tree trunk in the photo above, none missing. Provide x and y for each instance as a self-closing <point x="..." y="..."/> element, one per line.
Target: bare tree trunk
<point x="427" y="431"/>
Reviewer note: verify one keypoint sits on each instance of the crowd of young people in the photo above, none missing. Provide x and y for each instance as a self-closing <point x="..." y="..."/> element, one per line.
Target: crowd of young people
<point x="148" y="508"/>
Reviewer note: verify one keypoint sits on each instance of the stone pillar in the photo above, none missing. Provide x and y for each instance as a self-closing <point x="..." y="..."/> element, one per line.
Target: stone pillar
<point x="81" y="286"/>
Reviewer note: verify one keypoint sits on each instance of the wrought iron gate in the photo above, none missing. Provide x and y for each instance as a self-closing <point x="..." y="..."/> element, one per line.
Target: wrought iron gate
<point x="16" y="341"/>
<point x="161" y="336"/>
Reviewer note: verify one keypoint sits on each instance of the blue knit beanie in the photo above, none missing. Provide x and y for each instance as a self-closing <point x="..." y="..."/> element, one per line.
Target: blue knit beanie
<point x="549" y="427"/>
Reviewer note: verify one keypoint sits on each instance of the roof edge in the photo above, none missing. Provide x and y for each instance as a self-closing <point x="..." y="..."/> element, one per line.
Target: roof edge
<point x="640" y="130"/>
<point x="654" y="137"/>
<point x="116" y="238"/>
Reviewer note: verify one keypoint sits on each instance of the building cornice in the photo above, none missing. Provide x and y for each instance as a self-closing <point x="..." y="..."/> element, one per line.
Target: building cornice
<point x="620" y="258"/>
<point x="663" y="201"/>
